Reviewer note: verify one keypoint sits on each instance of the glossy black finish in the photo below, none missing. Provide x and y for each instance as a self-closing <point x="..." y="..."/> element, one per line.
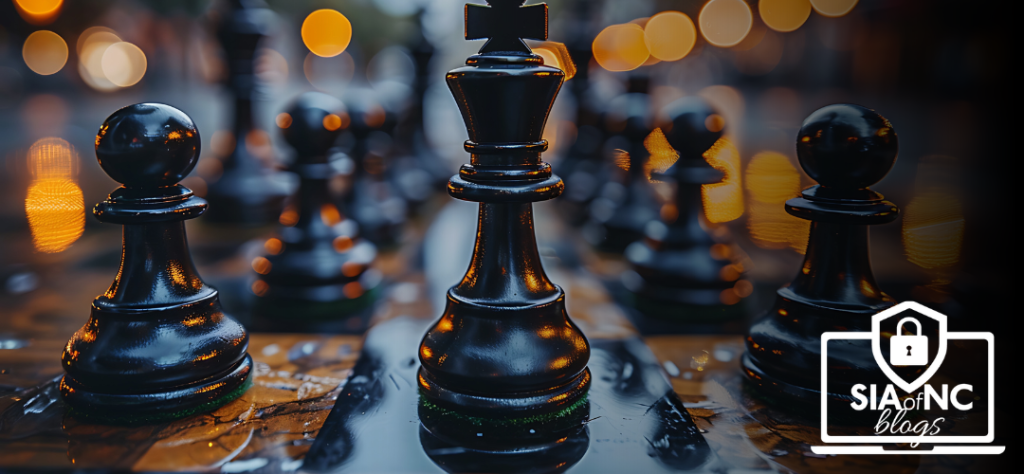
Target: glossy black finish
<point x="848" y="147"/>
<point x="675" y="274"/>
<point x="634" y="421"/>
<point x="372" y="199"/>
<point x="318" y="268"/>
<point x="622" y="210"/>
<point x="157" y="343"/>
<point x="248" y="192"/>
<point x="505" y="340"/>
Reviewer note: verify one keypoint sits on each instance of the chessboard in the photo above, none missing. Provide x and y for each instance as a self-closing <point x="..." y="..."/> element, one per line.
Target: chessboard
<point x="596" y="279"/>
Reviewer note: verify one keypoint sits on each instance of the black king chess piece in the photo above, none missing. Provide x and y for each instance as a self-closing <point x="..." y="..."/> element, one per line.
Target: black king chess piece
<point x="505" y="347"/>
<point x="845" y="148"/>
<point x="679" y="264"/>
<point x="320" y="264"/>
<point x="158" y="345"/>
<point x="248" y="192"/>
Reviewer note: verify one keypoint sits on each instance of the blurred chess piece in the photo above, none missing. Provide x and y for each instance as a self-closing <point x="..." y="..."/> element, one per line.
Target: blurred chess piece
<point x="845" y="148"/>
<point x="249" y="192"/>
<point x="157" y="346"/>
<point x="505" y="308"/>
<point x="318" y="268"/>
<point x="623" y="207"/>
<point x="679" y="263"/>
<point x="371" y="198"/>
<point x="418" y="172"/>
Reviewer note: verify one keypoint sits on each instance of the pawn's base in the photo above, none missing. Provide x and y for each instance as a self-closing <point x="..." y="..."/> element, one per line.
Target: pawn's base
<point x="156" y="407"/>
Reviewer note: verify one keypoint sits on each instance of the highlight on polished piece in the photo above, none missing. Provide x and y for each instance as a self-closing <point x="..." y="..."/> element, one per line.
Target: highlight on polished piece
<point x="505" y="351"/>
<point x="845" y="148"/>
<point x="157" y="345"/>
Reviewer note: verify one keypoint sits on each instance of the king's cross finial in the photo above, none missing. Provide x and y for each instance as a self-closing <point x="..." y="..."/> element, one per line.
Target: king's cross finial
<point x="506" y="23"/>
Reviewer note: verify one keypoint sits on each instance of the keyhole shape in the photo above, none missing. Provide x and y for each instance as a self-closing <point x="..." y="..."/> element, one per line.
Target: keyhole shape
<point x="908" y="350"/>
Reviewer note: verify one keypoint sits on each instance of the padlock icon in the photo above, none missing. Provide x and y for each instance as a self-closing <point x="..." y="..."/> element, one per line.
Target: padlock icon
<point x="908" y="350"/>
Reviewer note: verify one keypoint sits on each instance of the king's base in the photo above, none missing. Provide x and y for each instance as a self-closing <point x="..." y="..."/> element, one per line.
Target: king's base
<point x="147" y="408"/>
<point x="630" y="420"/>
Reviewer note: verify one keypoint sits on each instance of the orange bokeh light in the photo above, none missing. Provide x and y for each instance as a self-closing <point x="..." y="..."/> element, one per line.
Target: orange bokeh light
<point x="725" y="23"/>
<point x="45" y="52"/>
<point x="621" y="47"/>
<point x="39" y="12"/>
<point x="723" y="201"/>
<point x="833" y="8"/>
<point x="326" y="32"/>
<point x="670" y="35"/>
<point x="784" y="15"/>
<point x="556" y="55"/>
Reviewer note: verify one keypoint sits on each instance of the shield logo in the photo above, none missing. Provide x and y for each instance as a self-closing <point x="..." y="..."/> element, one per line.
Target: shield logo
<point x="923" y="312"/>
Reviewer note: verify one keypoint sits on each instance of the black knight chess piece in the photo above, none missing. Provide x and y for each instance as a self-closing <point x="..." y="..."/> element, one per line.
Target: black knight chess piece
<point x="680" y="269"/>
<point x="248" y="192"/>
<point x="319" y="268"/>
<point x="158" y="345"/>
<point x="624" y="206"/>
<point x="505" y="349"/>
<point x="845" y="148"/>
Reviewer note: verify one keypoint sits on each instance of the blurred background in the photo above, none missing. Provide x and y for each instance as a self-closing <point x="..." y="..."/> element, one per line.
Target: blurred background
<point x="938" y="70"/>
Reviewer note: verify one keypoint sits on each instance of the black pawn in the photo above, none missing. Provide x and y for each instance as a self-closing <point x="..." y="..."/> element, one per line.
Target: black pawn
<point x="505" y="346"/>
<point x="372" y="198"/>
<point x="845" y="148"/>
<point x="248" y="192"/>
<point x="624" y="206"/>
<point x="676" y="263"/>
<point x="319" y="264"/>
<point x="158" y="345"/>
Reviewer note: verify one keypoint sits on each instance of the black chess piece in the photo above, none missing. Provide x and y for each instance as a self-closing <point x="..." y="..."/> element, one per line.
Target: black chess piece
<point x="845" y="148"/>
<point x="505" y="347"/>
<point x="418" y="171"/>
<point x="371" y="198"/>
<point x="319" y="268"/>
<point x="679" y="263"/>
<point x="624" y="206"/>
<point x="158" y="345"/>
<point x="248" y="192"/>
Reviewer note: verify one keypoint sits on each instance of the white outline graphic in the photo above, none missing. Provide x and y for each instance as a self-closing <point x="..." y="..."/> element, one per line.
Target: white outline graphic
<point x="874" y="336"/>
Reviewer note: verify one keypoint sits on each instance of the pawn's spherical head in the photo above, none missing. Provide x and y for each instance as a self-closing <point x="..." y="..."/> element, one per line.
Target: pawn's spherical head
<point x="147" y="145"/>
<point x="313" y="123"/>
<point x="846" y="146"/>
<point x="691" y="125"/>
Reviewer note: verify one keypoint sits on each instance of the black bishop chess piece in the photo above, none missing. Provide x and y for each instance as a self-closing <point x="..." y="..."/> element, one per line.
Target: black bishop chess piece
<point x="845" y="148"/>
<point x="157" y="345"/>
<point x="679" y="269"/>
<point x="319" y="269"/>
<point x="624" y="206"/>
<point x="371" y="197"/>
<point x="505" y="350"/>
<point x="249" y="191"/>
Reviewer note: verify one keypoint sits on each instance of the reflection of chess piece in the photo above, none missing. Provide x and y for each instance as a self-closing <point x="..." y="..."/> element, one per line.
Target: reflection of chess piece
<point x="372" y="199"/>
<point x="845" y="148"/>
<point x="624" y="207"/>
<point x="157" y="345"/>
<point x="319" y="267"/>
<point x="248" y="192"/>
<point x="505" y="347"/>
<point x="679" y="263"/>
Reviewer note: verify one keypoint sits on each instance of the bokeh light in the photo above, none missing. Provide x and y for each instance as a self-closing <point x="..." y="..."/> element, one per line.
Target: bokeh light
<point x="833" y="8"/>
<point x="725" y="23"/>
<point x="54" y="204"/>
<point x="92" y="43"/>
<point x="45" y="52"/>
<point x="784" y="15"/>
<point x="51" y="158"/>
<point x="933" y="221"/>
<point x="723" y="201"/>
<point x="662" y="154"/>
<point x="556" y="55"/>
<point x="621" y="47"/>
<point x="771" y="179"/>
<point x="123" y="64"/>
<point x="39" y="12"/>
<point x="670" y="36"/>
<point x="326" y="32"/>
